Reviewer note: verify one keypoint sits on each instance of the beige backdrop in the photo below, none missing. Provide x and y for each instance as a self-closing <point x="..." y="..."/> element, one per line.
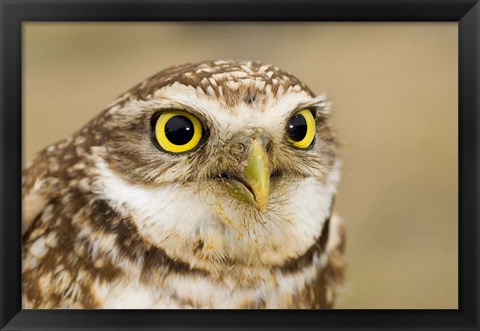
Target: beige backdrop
<point x="394" y="88"/>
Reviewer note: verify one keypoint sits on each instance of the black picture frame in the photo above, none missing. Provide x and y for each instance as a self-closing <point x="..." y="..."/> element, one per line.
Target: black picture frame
<point x="14" y="12"/>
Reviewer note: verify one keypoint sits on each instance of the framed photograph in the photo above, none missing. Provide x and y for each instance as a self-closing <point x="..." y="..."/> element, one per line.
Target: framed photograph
<point x="239" y="165"/>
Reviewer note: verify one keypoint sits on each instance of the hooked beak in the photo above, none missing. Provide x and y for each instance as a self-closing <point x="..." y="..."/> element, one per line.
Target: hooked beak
<point x="252" y="186"/>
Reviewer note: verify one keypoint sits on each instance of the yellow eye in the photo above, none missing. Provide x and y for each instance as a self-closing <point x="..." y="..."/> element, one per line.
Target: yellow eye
<point x="301" y="129"/>
<point x="177" y="131"/>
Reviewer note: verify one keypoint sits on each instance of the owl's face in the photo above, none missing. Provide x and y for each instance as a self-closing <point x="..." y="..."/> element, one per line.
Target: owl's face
<point x="223" y="161"/>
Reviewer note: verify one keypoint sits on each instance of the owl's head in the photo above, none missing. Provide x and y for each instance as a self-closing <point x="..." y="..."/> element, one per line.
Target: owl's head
<point x="221" y="160"/>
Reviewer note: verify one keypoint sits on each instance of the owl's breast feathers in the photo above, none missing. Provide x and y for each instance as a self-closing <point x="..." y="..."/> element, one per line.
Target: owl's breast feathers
<point x="81" y="251"/>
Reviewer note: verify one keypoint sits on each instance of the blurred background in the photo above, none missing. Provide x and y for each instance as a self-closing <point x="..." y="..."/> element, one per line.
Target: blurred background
<point x="394" y="93"/>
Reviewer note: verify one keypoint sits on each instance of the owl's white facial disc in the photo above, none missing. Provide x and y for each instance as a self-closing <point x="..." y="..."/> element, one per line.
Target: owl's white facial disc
<point x="178" y="216"/>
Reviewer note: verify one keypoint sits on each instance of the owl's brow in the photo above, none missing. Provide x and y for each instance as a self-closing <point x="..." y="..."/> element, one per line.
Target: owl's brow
<point x="201" y="115"/>
<point x="320" y="104"/>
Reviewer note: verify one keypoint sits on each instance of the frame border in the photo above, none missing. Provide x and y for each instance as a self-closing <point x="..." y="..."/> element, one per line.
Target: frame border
<point x="14" y="12"/>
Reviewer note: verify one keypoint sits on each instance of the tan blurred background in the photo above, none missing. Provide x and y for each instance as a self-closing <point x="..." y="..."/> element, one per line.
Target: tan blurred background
<point x="394" y="88"/>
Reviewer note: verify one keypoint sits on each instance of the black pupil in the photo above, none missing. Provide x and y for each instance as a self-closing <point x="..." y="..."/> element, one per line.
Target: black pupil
<point x="297" y="128"/>
<point x="179" y="130"/>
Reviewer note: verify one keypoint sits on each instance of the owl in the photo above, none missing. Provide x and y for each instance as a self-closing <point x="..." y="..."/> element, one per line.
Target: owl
<point x="207" y="185"/>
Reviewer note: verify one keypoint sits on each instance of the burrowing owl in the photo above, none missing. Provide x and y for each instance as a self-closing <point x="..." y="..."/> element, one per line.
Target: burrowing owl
<point x="208" y="185"/>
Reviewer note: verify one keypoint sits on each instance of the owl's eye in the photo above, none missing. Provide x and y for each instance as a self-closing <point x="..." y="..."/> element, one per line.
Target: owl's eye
<point x="177" y="131"/>
<point x="301" y="129"/>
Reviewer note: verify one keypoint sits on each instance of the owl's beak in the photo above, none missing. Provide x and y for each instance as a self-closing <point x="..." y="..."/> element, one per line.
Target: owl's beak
<point x="253" y="185"/>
